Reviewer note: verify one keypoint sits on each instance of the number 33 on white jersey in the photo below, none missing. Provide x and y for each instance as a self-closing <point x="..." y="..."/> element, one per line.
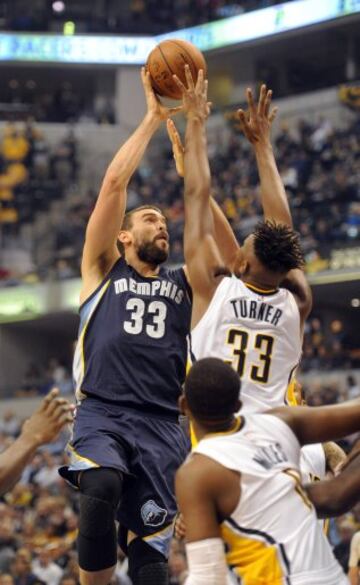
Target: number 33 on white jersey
<point x="258" y="334"/>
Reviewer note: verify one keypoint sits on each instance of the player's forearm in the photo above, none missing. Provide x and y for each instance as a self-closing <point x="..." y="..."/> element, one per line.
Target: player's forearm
<point x="14" y="460"/>
<point x="224" y="235"/>
<point x="324" y="423"/>
<point x="128" y="158"/>
<point x="207" y="564"/>
<point x="273" y="196"/>
<point x="197" y="178"/>
<point x="338" y="495"/>
<point x="354" y="576"/>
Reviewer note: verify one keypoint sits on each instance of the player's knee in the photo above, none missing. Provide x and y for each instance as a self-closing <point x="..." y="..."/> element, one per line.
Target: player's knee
<point x="103" y="484"/>
<point x="99" y="498"/>
<point x="147" y="566"/>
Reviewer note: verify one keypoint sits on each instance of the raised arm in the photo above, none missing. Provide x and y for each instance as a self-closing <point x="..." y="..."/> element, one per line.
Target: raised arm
<point x="42" y="427"/>
<point x="100" y="250"/>
<point x="223" y="233"/>
<point x="202" y="256"/>
<point x="257" y="128"/>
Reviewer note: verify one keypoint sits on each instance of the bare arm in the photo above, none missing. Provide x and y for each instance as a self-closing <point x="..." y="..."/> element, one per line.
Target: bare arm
<point x="323" y="423"/>
<point x="42" y="427"/>
<point x="201" y="253"/>
<point x="223" y="233"/>
<point x="201" y="483"/>
<point x="338" y="495"/>
<point x="353" y="575"/>
<point x="100" y="251"/>
<point x="296" y="282"/>
<point x="257" y="130"/>
<point x="273" y="195"/>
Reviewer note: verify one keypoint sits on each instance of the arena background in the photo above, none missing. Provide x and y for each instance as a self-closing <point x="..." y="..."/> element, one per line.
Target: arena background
<point x="70" y="93"/>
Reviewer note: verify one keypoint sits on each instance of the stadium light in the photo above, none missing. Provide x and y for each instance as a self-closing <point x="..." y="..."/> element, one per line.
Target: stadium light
<point x="58" y="6"/>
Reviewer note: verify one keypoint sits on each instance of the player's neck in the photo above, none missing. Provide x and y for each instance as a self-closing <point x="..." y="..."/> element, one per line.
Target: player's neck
<point x="141" y="267"/>
<point x="262" y="283"/>
<point x="208" y="428"/>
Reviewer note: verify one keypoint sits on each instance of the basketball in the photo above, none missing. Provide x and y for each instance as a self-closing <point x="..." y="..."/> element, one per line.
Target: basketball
<point x="169" y="58"/>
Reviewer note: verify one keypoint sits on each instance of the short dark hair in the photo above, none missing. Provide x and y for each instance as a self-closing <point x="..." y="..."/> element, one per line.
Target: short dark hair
<point x="127" y="221"/>
<point x="277" y="247"/>
<point x="212" y="389"/>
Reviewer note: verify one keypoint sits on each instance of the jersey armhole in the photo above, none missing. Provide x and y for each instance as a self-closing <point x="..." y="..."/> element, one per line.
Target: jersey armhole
<point x="105" y="279"/>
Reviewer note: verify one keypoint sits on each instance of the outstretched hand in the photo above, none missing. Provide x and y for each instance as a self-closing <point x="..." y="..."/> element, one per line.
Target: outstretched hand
<point x="256" y="123"/>
<point x="48" y="420"/>
<point x="194" y="97"/>
<point x="177" y="146"/>
<point x="154" y="106"/>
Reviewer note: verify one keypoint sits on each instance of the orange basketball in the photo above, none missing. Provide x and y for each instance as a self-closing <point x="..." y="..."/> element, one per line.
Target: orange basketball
<point x="169" y="58"/>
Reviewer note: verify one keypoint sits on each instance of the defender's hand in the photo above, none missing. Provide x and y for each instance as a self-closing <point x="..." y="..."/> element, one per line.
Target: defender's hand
<point x="177" y="146"/>
<point x="194" y="97"/>
<point x="256" y="124"/>
<point x="48" y="420"/>
<point x="154" y="106"/>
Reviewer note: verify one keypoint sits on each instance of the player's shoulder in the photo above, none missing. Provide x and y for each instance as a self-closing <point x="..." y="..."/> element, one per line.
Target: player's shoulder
<point x="200" y="472"/>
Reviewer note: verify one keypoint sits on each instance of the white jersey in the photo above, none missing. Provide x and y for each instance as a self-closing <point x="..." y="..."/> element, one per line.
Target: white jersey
<point x="258" y="333"/>
<point x="272" y="537"/>
<point x="312" y="463"/>
<point x="313" y="468"/>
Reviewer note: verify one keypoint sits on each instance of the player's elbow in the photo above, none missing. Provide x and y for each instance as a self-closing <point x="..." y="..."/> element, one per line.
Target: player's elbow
<point x="114" y="181"/>
<point x="199" y="191"/>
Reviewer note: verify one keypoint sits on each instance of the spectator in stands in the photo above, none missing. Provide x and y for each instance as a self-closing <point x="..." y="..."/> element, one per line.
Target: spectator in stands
<point x="44" y="568"/>
<point x="9" y="425"/>
<point x="21" y="568"/>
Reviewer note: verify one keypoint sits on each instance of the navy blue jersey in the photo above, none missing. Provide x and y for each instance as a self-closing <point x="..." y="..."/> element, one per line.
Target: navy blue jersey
<point x="132" y="345"/>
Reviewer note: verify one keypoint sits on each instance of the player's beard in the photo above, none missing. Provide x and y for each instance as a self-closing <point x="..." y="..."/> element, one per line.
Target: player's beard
<point x="152" y="254"/>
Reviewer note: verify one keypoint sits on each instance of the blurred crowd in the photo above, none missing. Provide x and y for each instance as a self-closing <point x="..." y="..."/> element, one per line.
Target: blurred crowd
<point x="129" y="16"/>
<point x="40" y="378"/>
<point x="32" y="174"/>
<point x="327" y="347"/>
<point x="61" y="103"/>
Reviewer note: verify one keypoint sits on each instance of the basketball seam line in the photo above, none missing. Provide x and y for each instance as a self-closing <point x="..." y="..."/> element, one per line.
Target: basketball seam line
<point x="188" y="55"/>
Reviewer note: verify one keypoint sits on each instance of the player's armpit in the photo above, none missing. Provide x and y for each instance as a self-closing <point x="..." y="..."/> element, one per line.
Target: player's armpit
<point x="206" y="491"/>
<point x="296" y="282"/>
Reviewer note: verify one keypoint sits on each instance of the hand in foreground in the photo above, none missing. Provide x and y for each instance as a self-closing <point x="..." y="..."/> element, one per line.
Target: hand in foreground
<point x="256" y="123"/>
<point x="48" y="420"/>
<point x="194" y="97"/>
<point x="177" y="146"/>
<point x="154" y="106"/>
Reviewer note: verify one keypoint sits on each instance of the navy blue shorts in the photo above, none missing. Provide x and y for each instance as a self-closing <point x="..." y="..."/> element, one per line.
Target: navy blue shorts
<point x="148" y="450"/>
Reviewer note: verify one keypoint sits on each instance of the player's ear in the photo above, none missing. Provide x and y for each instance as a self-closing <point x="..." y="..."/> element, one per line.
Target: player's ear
<point x="124" y="237"/>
